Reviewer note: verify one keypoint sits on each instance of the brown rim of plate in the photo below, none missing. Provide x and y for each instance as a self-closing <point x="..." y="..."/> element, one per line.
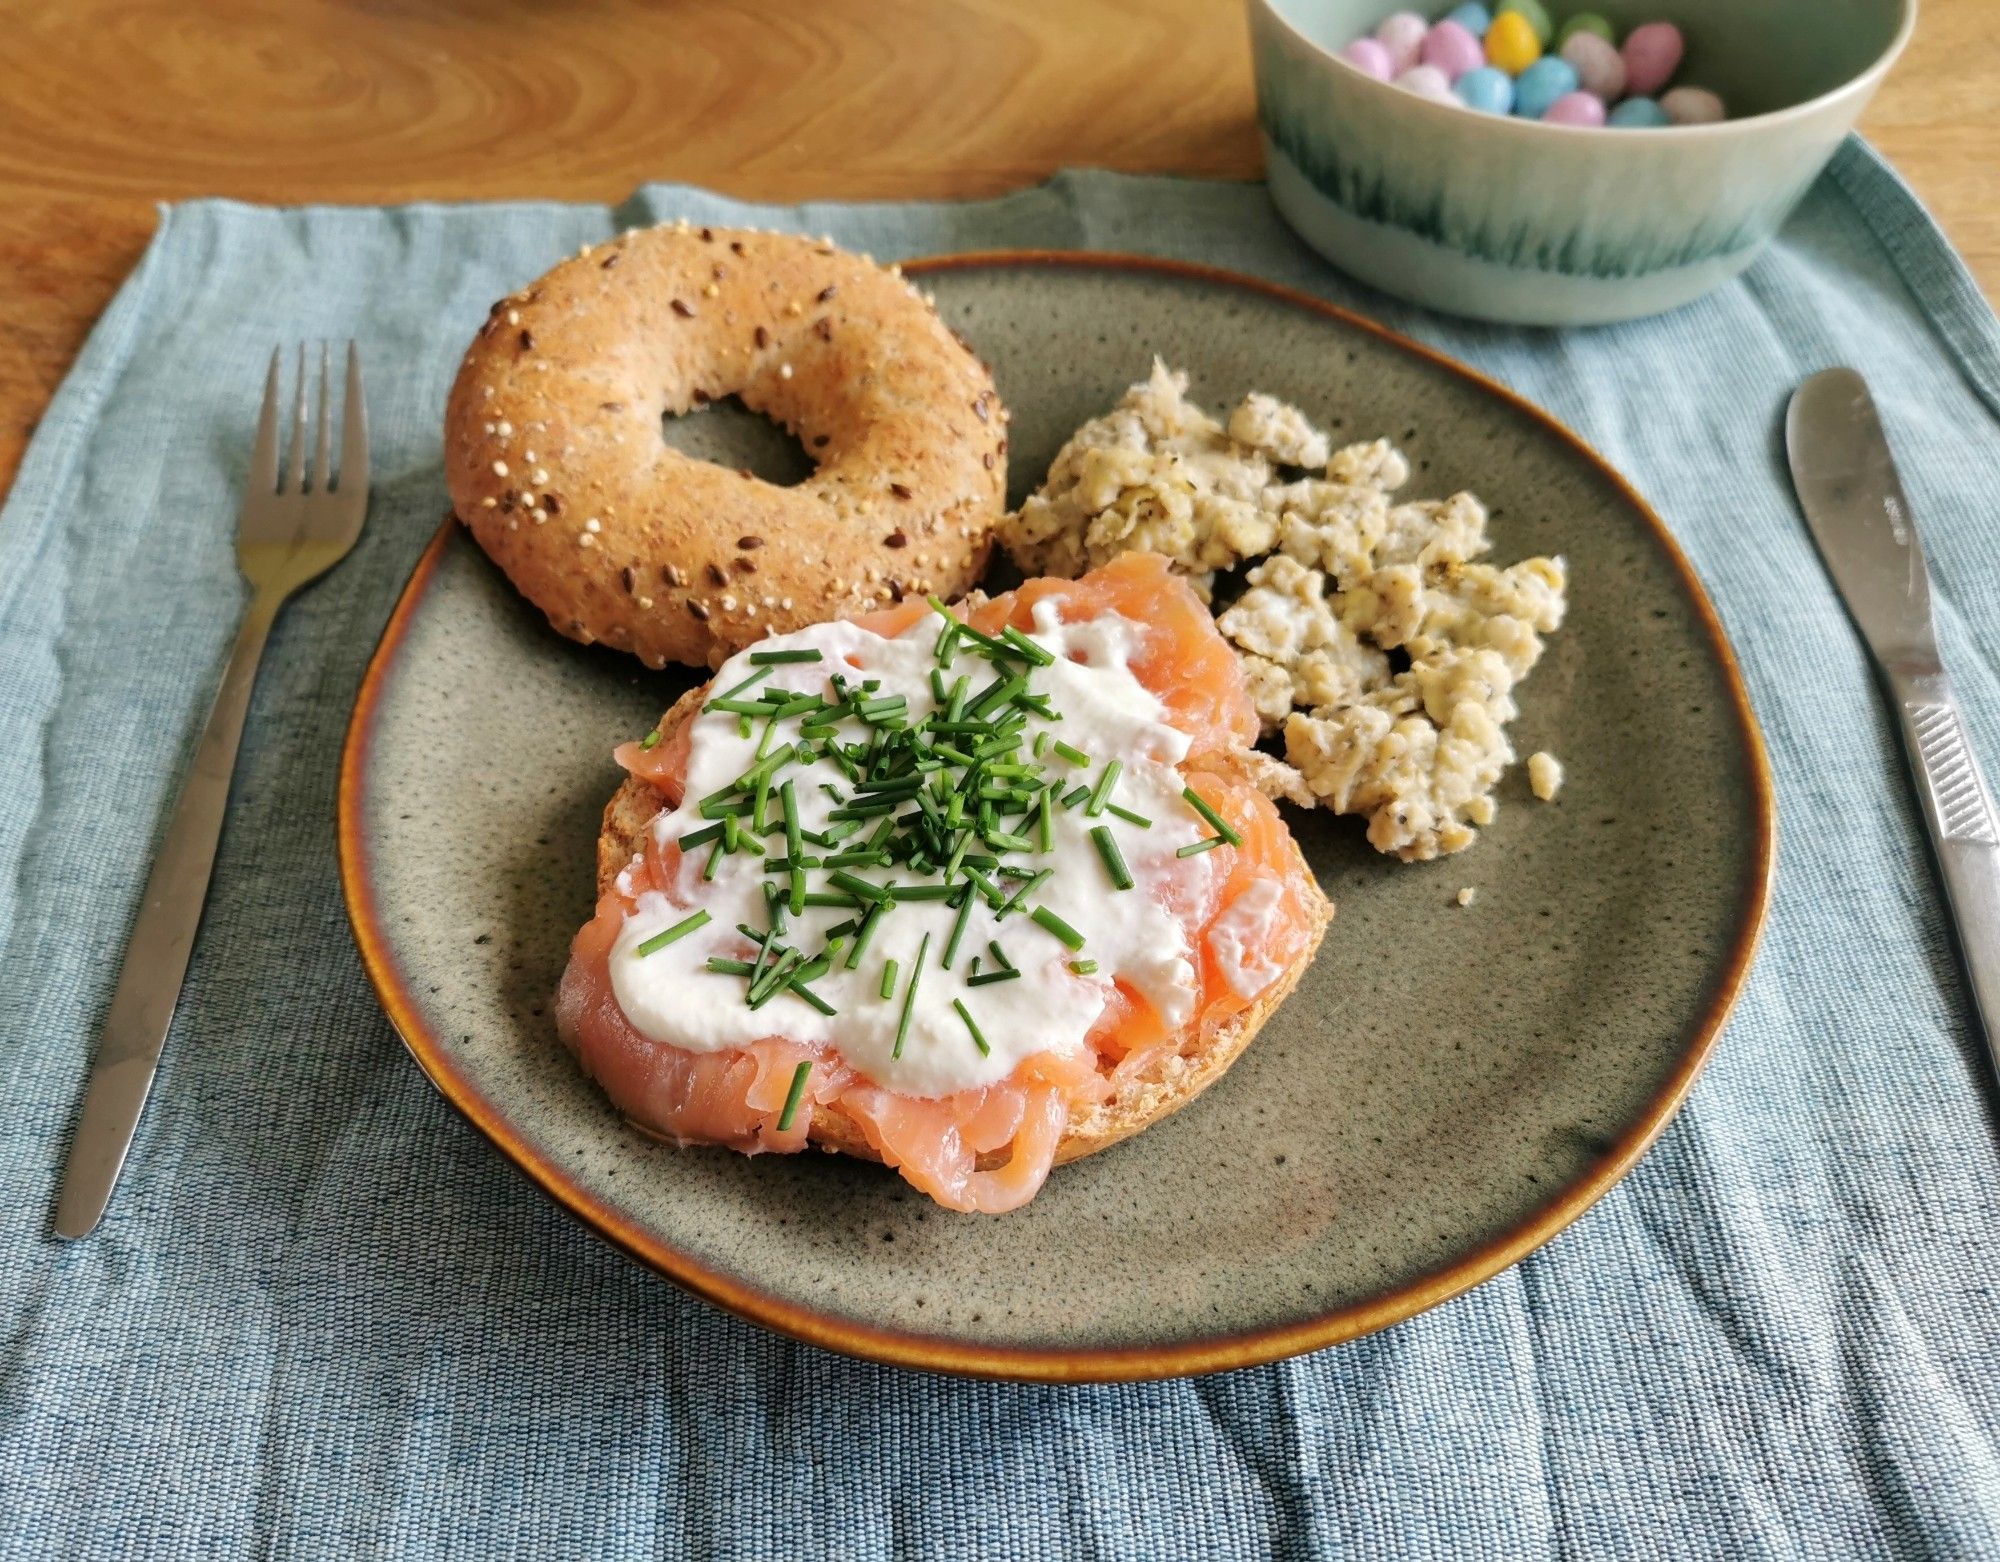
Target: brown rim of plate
<point x="1055" y="1364"/>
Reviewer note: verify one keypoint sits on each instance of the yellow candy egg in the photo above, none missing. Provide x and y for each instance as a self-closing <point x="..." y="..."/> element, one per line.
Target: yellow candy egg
<point x="1511" y="43"/>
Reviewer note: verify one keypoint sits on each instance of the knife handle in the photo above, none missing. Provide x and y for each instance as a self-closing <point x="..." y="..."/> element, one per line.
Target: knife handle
<point x="1959" y="810"/>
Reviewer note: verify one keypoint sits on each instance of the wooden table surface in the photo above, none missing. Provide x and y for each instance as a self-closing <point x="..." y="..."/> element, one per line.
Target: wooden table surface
<point x="112" y="105"/>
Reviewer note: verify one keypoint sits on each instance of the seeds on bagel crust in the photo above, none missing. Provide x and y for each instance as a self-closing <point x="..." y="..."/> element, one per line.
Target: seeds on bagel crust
<point x="597" y="357"/>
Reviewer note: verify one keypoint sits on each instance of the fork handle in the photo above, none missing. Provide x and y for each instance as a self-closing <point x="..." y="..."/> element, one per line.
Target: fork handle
<point x="1959" y="811"/>
<point x="156" y="958"/>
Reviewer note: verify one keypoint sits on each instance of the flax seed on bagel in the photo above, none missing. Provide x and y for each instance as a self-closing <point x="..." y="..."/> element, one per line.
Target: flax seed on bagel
<point x="555" y="461"/>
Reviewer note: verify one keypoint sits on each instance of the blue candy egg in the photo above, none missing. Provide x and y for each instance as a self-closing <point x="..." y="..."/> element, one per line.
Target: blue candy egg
<point x="1541" y="84"/>
<point x="1488" y="89"/>
<point x="1473" y="17"/>
<point x="1637" y="114"/>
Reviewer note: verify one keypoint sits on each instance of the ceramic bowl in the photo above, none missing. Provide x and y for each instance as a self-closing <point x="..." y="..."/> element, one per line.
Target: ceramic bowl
<point x="1512" y="220"/>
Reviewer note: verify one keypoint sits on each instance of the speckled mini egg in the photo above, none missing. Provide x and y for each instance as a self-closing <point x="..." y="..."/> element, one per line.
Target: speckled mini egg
<point x="1402" y="35"/>
<point x="1488" y="89"/>
<point x="1637" y="114"/>
<point x="1692" y="106"/>
<point x="1531" y="12"/>
<point x="1369" y="57"/>
<point x="1511" y="43"/>
<point x="1652" y="55"/>
<point x="1600" y="69"/>
<point x="1582" y="109"/>
<point x="1541" y="84"/>
<point x="1427" y="81"/>
<point x="1453" y="50"/>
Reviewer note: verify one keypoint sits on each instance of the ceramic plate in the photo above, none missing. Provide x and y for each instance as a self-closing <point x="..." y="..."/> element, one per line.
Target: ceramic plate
<point x="1447" y="1089"/>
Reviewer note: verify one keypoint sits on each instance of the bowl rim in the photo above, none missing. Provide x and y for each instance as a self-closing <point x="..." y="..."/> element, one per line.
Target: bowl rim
<point x="1198" y="1353"/>
<point x="1863" y="84"/>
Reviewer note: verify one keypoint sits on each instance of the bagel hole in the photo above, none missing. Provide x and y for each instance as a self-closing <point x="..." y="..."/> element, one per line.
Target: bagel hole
<point x="727" y="433"/>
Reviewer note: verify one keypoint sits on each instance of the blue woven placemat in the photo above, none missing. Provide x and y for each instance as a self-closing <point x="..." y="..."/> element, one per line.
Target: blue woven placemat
<point x="325" y="1319"/>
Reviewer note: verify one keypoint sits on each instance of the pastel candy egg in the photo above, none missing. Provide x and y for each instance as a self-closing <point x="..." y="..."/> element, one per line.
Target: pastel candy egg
<point x="1427" y="81"/>
<point x="1575" y="108"/>
<point x="1541" y="84"/>
<point x="1453" y="50"/>
<point x="1488" y="89"/>
<point x="1692" y="106"/>
<point x="1511" y="43"/>
<point x="1365" y="54"/>
<point x="1402" y="35"/>
<point x="1637" y="114"/>
<point x="1600" y="69"/>
<point x="1531" y="12"/>
<point x="1586" y="22"/>
<point x="1652" y="54"/>
<point x="1473" y="17"/>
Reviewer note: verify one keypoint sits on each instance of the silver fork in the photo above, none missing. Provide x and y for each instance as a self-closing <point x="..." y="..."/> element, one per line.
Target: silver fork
<point x="291" y="532"/>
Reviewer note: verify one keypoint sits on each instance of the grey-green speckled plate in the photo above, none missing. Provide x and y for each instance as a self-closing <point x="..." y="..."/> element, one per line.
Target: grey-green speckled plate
<point x="1448" y="1088"/>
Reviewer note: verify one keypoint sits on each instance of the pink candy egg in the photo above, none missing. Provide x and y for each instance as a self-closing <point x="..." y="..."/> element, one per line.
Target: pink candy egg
<point x="1693" y="106"/>
<point x="1600" y="69"/>
<point x="1652" y="54"/>
<point x="1453" y="50"/>
<point x="1576" y="108"/>
<point x="1366" y="54"/>
<point x="1403" y="36"/>
<point x="1427" y="81"/>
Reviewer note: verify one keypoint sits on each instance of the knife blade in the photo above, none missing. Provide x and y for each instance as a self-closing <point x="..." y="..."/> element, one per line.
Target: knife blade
<point x="1856" y="510"/>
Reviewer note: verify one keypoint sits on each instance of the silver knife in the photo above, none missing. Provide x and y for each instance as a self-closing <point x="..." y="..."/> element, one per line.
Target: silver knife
<point x="1847" y="486"/>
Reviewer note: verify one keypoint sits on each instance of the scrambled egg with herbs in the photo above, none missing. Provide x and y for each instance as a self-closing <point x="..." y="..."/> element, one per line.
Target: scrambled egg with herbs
<point x="1371" y="638"/>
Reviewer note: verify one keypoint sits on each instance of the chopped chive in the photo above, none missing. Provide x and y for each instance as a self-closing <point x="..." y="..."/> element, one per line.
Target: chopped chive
<point x="1100" y="794"/>
<point x="1045" y="822"/>
<point x="743" y="726"/>
<point x="797" y="897"/>
<point x="978" y="1040"/>
<point x="792" y="1096"/>
<point x="870" y="920"/>
<point x="725" y="967"/>
<point x="757" y="677"/>
<point x="889" y="969"/>
<point x="1049" y="922"/>
<point x="715" y="856"/>
<point x="1220" y="825"/>
<point x="1128" y="816"/>
<point x="788" y="804"/>
<point x="651" y="740"/>
<point x="921" y="892"/>
<point x="679" y="930"/>
<point x="1114" y="860"/>
<point x="840" y="878"/>
<point x="1008" y="839"/>
<point x="1075" y="756"/>
<point x="774" y="978"/>
<point x="1041" y="744"/>
<point x="1072" y="798"/>
<point x="774" y="658"/>
<point x="1021" y="891"/>
<point x="1207" y="843"/>
<point x="798" y="989"/>
<point x="999" y="955"/>
<point x="996" y="695"/>
<point x="1084" y="967"/>
<point x="739" y="707"/>
<point x="910" y="997"/>
<point x="1040" y="655"/>
<point x="704" y="835"/>
<point x="988" y="978"/>
<point x="957" y="929"/>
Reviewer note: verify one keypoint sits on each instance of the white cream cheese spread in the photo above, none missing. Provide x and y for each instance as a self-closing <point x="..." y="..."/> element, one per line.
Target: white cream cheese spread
<point x="960" y="1031"/>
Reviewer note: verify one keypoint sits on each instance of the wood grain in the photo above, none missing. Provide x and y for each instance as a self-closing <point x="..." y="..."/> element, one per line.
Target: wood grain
<point x="113" y="105"/>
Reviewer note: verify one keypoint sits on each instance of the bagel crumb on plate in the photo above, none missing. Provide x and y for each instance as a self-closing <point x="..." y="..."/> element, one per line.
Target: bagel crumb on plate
<point x="555" y="463"/>
<point x="936" y="924"/>
<point x="1343" y="584"/>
